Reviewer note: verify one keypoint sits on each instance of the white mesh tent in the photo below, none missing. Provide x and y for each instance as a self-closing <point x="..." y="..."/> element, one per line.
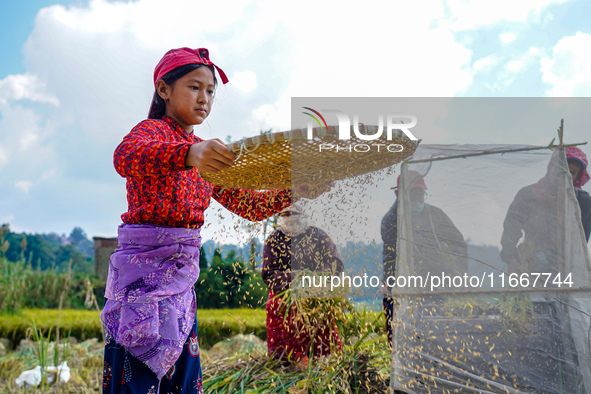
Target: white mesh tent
<point x="514" y="315"/>
<point x="505" y="219"/>
<point x="502" y="222"/>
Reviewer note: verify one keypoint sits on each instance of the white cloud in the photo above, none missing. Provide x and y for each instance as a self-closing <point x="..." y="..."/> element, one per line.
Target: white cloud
<point x="274" y="116"/>
<point x="568" y="69"/>
<point x="514" y="67"/>
<point x="534" y="51"/>
<point x="26" y="151"/>
<point x="99" y="58"/>
<point x="47" y="174"/>
<point x="25" y="87"/>
<point x="511" y="66"/>
<point x="507" y="37"/>
<point x="3" y="157"/>
<point x="24" y="134"/>
<point x="371" y="52"/>
<point x="470" y="15"/>
<point x="244" y="81"/>
<point x="27" y="140"/>
<point x="485" y="64"/>
<point x="24" y="185"/>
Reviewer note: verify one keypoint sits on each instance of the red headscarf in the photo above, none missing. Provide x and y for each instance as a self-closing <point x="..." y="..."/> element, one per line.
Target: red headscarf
<point x="414" y="176"/>
<point x="182" y="56"/>
<point x="574" y="153"/>
<point x="546" y="188"/>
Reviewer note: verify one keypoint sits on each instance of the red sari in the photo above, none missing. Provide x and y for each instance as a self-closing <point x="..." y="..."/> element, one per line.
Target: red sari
<point x="288" y="338"/>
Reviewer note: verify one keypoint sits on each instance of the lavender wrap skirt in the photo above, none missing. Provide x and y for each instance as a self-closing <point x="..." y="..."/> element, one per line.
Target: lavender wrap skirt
<point x="123" y="373"/>
<point x="149" y="317"/>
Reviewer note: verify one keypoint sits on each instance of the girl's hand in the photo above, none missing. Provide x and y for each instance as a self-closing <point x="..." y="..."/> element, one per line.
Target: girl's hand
<point x="210" y="156"/>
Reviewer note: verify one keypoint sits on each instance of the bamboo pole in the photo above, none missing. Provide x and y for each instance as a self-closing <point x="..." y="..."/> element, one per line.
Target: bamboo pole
<point x="491" y="152"/>
<point x="560" y="205"/>
<point x="561" y="132"/>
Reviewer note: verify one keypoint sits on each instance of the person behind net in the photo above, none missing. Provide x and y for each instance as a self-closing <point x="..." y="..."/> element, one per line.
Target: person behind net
<point x="530" y="241"/>
<point x="312" y="249"/>
<point x="577" y="166"/>
<point x="438" y="246"/>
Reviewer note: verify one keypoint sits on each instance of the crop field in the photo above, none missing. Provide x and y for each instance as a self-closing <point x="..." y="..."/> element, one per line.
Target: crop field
<point x="233" y="354"/>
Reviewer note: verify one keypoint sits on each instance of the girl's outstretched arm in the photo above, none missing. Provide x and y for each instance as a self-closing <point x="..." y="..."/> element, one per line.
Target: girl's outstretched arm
<point x="259" y="205"/>
<point x="148" y="151"/>
<point x="252" y="204"/>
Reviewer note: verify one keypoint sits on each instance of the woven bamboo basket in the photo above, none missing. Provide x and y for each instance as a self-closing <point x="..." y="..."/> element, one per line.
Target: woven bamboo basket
<point x="282" y="159"/>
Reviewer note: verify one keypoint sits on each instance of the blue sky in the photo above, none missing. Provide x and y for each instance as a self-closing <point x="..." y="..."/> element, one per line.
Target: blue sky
<point x="75" y="77"/>
<point x="17" y="20"/>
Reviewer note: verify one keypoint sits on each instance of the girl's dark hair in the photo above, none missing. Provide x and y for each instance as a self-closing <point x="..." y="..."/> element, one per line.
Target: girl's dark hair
<point x="158" y="107"/>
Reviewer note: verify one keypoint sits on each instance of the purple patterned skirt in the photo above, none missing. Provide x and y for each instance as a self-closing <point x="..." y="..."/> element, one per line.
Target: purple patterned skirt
<point x="123" y="373"/>
<point x="150" y="307"/>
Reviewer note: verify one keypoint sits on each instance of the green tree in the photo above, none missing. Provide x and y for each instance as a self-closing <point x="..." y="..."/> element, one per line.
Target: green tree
<point x="229" y="284"/>
<point x="202" y="259"/>
<point x="81" y="242"/>
<point x="38" y="252"/>
<point x="80" y="262"/>
<point x="254" y="293"/>
<point x="78" y="235"/>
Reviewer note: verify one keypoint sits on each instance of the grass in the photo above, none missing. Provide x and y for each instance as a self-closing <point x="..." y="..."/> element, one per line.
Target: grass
<point x="13" y="280"/>
<point x="24" y="287"/>
<point x="214" y="324"/>
<point x="81" y="324"/>
<point x="85" y="360"/>
<point x="218" y="324"/>
<point x="362" y="366"/>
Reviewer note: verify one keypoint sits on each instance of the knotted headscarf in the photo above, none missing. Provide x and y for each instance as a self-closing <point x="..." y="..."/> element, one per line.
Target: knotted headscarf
<point x="574" y="153"/>
<point x="182" y="56"/>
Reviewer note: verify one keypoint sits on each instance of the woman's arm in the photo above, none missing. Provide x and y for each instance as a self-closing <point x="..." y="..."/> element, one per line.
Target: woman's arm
<point x="251" y="204"/>
<point x="145" y="151"/>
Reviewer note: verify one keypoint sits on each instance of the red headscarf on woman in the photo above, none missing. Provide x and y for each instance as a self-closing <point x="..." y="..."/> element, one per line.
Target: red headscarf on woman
<point x="182" y="56"/>
<point x="574" y="153"/>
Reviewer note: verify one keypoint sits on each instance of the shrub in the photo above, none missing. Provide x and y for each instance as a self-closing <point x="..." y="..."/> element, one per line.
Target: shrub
<point x="12" y="285"/>
<point x="24" y="287"/>
<point x="229" y="284"/>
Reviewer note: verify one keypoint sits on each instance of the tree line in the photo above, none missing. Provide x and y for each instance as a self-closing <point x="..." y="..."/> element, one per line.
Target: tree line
<point x="39" y="270"/>
<point x="50" y="251"/>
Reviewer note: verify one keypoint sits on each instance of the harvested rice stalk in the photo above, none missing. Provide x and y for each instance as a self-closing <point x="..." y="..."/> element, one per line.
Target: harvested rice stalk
<point x="360" y="368"/>
<point x="314" y="311"/>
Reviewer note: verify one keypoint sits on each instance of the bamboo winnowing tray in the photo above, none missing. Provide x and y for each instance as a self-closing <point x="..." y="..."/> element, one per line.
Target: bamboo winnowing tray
<point x="282" y="159"/>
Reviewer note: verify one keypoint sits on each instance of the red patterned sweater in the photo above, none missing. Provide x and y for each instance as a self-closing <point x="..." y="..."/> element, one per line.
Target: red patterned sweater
<point x="162" y="191"/>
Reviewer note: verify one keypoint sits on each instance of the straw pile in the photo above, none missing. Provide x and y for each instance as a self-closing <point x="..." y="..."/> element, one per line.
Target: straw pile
<point x="353" y="371"/>
<point x="362" y="366"/>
